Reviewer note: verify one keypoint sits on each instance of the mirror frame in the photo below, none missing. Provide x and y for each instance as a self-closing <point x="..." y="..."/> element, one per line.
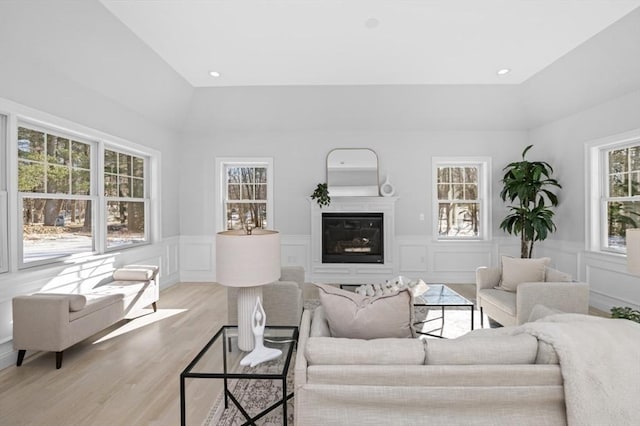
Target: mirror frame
<point x="358" y="189"/>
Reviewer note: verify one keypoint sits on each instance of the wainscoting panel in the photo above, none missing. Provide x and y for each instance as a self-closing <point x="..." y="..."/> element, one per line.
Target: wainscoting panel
<point x="564" y="256"/>
<point x="611" y="284"/>
<point x="296" y="251"/>
<point x="197" y="258"/>
<point x="413" y="258"/>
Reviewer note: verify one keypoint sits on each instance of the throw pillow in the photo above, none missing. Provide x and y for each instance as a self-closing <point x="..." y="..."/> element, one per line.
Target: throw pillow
<point x="554" y="276"/>
<point x="355" y="316"/>
<point x="516" y="271"/>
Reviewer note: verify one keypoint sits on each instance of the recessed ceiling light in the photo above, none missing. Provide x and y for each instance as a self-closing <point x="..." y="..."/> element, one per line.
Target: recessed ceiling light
<point x="214" y="73"/>
<point x="371" y="23"/>
<point x="503" y="71"/>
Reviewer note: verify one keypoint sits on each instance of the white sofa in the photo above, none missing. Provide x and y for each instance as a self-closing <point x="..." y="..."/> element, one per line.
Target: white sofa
<point x="561" y="369"/>
<point x="472" y="381"/>
<point x="55" y="321"/>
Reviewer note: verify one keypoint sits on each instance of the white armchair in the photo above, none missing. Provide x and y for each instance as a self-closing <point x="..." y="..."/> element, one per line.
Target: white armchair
<point x="282" y="300"/>
<point x="514" y="307"/>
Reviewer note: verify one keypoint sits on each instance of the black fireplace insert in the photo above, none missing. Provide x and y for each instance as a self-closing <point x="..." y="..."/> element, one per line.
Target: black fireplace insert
<point x="352" y="238"/>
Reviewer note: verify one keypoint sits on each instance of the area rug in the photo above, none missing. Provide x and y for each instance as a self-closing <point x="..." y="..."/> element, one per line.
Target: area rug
<point x="254" y="396"/>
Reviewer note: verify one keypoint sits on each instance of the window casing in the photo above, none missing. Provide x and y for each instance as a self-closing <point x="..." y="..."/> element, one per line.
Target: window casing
<point x="614" y="191"/>
<point x="460" y="194"/>
<point x="245" y="193"/>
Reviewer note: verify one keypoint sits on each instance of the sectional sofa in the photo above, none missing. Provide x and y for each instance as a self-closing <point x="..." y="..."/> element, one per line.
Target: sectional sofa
<point x="506" y="376"/>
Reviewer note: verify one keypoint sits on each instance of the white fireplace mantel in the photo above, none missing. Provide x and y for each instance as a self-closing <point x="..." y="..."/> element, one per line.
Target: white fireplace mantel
<point x="353" y="273"/>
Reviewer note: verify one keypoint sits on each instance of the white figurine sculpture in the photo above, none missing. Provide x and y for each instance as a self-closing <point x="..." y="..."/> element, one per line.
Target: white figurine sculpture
<point x="260" y="353"/>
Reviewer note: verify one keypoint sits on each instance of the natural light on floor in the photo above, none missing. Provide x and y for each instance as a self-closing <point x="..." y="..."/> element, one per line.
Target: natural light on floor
<point x="141" y="321"/>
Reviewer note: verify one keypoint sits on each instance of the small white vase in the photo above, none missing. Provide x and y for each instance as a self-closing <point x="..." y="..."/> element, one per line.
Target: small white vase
<point x="386" y="189"/>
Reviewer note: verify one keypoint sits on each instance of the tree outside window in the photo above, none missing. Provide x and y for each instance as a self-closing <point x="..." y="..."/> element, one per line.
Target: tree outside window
<point x="458" y="201"/>
<point x="54" y="184"/>
<point x="124" y="189"/>
<point x="246" y="196"/>
<point x="622" y="200"/>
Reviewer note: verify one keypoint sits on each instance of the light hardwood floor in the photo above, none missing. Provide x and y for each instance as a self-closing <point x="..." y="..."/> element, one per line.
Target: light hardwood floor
<point x="127" y="375"/>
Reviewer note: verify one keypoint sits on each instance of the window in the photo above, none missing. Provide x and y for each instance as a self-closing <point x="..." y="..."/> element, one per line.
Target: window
<point x="61" y="210"/>
<point x="124" y="189"/>
<point x="614" y="171"/>
<point x="246" y="193"/>
<point x="461" y="190"/>
<point x="54" y="190"/>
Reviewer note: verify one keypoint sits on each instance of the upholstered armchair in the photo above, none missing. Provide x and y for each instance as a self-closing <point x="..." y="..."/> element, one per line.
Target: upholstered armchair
<point x="511" y="303"/>
<point x="282" y="300"/>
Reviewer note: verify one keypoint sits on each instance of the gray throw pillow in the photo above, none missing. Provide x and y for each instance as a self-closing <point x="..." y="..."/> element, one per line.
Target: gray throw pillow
<point x="354" y="316"/>
<point x="516" y="271"/>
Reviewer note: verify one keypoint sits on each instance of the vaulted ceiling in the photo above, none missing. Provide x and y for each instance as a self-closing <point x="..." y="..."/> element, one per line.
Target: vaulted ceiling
<point x="364" y="42"/>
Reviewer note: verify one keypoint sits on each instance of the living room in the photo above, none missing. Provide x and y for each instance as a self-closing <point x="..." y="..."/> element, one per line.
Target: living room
<point x="79" y="68"/>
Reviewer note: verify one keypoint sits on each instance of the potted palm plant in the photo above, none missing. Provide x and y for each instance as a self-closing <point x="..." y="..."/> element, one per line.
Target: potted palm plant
<point x="526" y="183"/>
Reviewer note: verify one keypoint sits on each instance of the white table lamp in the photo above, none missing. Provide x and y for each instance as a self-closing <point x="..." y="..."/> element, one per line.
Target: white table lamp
<point x="633" y="250"/>
<point x="247" y="261"/>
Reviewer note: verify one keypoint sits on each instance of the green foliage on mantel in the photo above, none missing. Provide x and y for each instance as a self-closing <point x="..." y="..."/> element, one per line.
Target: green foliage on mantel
<point x="321" y="195"/>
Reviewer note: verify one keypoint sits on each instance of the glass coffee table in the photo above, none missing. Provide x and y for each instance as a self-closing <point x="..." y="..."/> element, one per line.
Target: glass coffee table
<point x="439" y="295"/>
<point x="220" y="359"/>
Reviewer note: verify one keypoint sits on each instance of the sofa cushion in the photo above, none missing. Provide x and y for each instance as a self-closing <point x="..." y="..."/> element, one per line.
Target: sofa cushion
<point x="518" y="349"/>
<point x="503" y="300"/>
<point x="516" y="271"/>
<point x="355" y="316"/>
<point x="95" y="302"/>
<point x="338" y="351"/>
<point x="77" y="302"/>
<point x="319" y="324"/>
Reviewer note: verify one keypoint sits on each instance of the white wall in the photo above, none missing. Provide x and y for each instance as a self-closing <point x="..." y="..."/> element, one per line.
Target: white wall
<point x="65" y="62"/>
<point x="299" y="150"/>
<point x="564" y="142"/>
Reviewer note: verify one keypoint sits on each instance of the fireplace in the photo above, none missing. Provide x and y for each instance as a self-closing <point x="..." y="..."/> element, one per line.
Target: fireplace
<point x="352" y="238"/>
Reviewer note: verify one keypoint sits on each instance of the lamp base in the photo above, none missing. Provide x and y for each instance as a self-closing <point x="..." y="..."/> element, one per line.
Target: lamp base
<point x="246" y="302"/>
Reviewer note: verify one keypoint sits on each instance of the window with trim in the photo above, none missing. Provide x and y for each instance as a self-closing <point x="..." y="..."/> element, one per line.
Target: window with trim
<point x="61" y="212"/>
<point x="620" y="198"/>
<point x="460" y="191"/>
<point x="246" y="193"/>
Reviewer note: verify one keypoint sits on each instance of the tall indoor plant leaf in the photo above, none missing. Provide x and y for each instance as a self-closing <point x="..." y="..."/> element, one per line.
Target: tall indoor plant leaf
<point x="526" y="184"/>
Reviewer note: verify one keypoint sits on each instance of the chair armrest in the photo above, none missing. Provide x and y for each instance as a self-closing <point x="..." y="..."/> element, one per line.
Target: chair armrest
<point x="292" y="273"/>
<point x="282" y="303"/>
<point x="40" y="322"/>
<point x="570" y="297"/>
<point x="300" y="371"/>
<point x="487" y="277"/>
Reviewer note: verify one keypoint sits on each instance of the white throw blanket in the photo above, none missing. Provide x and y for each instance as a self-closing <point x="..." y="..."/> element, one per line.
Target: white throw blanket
<point x="600" y="362"/>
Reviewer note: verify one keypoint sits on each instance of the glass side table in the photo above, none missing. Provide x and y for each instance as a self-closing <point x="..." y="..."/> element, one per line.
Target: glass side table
<point x="220" y="359"/>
